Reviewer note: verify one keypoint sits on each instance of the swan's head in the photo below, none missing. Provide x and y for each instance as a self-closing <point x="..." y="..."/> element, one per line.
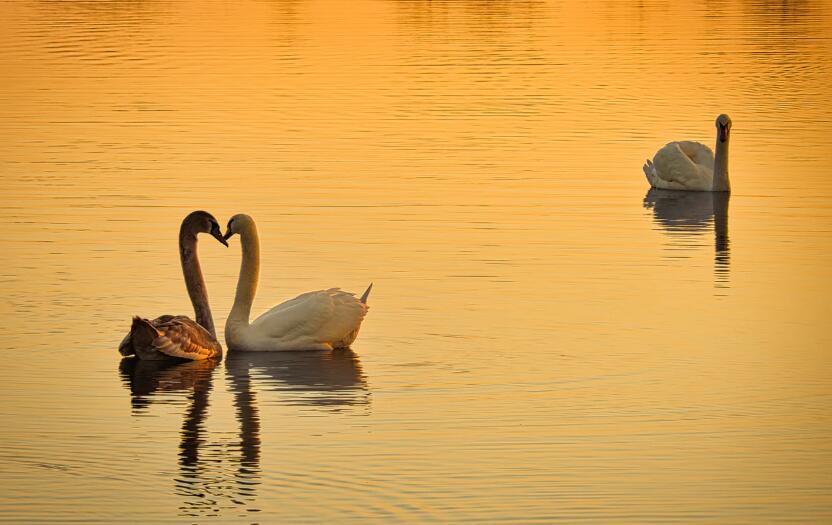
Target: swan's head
<point x="203" y="222"/>
<point x="237" y="224"/>
<point x="723" y="127"/>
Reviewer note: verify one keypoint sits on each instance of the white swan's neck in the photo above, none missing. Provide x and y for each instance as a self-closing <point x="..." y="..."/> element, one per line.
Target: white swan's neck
<point x="193" y="279"/>
<point x="247" y="282"/>
<point x="721" y="181"/>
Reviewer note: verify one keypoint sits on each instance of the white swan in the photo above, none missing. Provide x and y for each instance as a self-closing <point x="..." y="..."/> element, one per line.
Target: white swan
<point x="177" y="336"/>
<point x="692" y="166"/>
<point x="320" y="320"/>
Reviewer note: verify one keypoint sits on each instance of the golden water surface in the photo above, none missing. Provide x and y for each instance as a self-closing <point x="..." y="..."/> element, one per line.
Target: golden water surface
<point x="547" y="341"/>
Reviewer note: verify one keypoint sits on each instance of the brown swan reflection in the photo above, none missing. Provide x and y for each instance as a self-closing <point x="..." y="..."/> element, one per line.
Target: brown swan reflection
<point x="217" y="474"/>
<point x="200" y="462"/>
<point x="687" y="213"/>
<point x="145" y="378"/>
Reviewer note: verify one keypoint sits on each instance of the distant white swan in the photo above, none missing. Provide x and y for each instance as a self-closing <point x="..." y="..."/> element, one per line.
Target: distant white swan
<point x="177" y="336"/>
<point x="320" y="320"/>
<point x="692" y="166"/>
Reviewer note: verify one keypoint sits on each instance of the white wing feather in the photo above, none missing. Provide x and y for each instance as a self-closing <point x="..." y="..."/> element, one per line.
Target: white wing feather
<point x="682" y="165"/>
<point x="320" y="319"/>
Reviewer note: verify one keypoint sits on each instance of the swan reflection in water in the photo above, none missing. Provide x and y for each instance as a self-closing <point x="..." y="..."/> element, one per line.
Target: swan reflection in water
<point x="323" y="380"/>
<point x="328" y="381"/>
<point x="146" y="378"/>
<point x="694" y="213"/>
<point x="199" y="481"/>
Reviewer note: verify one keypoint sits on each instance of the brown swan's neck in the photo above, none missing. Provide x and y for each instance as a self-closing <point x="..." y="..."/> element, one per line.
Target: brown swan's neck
<point x="193" y="277"/>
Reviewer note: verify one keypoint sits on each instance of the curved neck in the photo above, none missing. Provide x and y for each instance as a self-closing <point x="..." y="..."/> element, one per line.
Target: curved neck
<point x="249" y="275"/>
<point x="193" y="279"/>
<point x="721" y="182"/>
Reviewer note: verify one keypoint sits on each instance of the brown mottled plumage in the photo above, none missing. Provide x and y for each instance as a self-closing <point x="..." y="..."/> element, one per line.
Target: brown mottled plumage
<point x="169" y="336"/>
<point x="172" y="337"/>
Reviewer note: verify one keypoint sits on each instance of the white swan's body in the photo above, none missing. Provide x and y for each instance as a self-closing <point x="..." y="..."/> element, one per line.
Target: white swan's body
<point x="688" y="165"/>
<point x="320" y="320"/>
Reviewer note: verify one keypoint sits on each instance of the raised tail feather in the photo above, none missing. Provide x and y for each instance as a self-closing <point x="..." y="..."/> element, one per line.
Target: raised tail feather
<point x="143" y="333"/>
<point x="366" y="294"/>
<point x="650" y="172"/>
<point x="125" y="348"/>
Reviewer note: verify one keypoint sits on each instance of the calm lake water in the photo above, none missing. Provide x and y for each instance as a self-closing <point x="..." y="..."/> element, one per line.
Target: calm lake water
<point x="547" y="341"/>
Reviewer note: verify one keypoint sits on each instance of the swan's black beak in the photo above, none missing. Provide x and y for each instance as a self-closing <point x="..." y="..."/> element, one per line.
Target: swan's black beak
<point x="218" y="236"/>
<point x="227" y="236"/>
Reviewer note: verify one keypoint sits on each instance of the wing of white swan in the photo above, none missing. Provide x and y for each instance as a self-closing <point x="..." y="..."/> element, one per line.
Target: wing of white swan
<point x="683" y="165"/>
<point x="320" y="319"/>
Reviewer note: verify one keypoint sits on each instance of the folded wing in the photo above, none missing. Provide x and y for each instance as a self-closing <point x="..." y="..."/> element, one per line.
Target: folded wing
<point x="330" y="317"/>
<point x="169" y="336"/>
<point x="683" y="165"/>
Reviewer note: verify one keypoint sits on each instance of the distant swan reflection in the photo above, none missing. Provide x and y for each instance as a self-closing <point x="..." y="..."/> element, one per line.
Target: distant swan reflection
<point x="693" y="212"/>
<point x="329" y="381"/>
